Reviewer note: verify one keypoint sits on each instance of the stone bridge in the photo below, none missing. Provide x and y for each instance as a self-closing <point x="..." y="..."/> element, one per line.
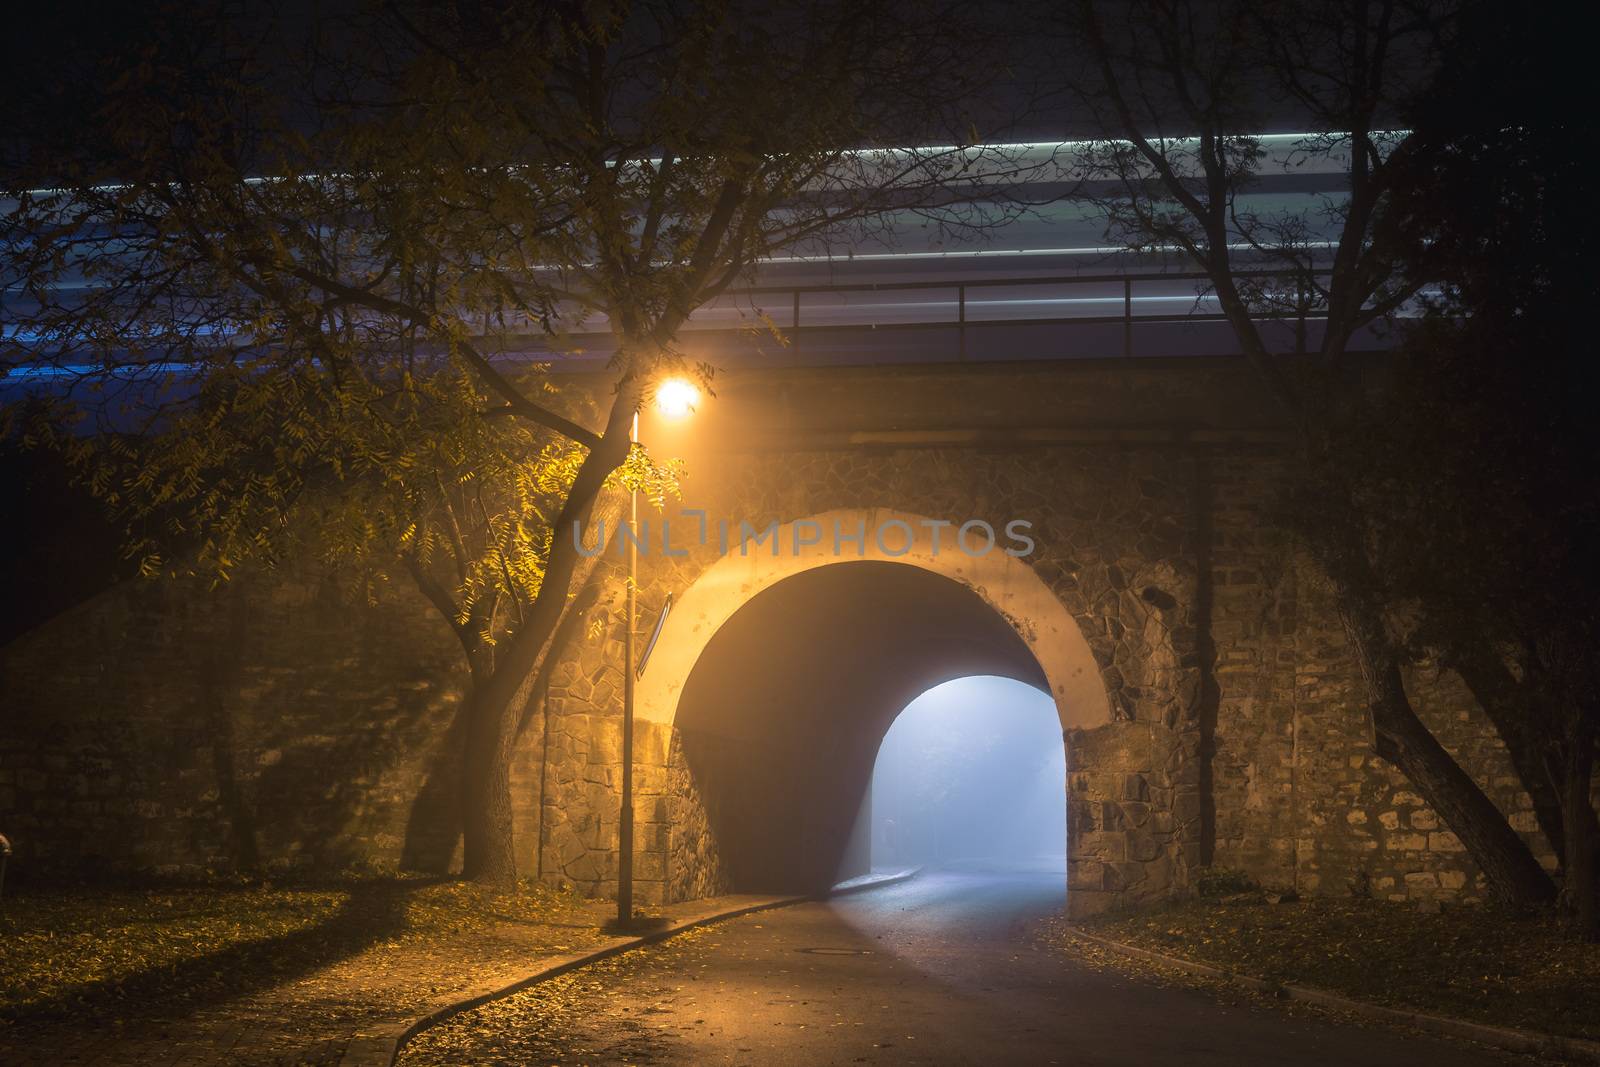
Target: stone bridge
<point x="1210" y="713"/>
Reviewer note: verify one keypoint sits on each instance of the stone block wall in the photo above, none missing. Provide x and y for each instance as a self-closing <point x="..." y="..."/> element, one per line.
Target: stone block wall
<point x="1301" y="800"/>
<point x="164" y="726"/>
<point x="1240" y="739"/>
<point x="573" y="832"/>
<point x="1113" y="527"/>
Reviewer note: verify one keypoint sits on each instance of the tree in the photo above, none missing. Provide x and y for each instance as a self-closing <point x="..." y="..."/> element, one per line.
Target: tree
<point x="1180" y="91"/>
<point x="1479" y="458"/>
<point x="294" y="271"/>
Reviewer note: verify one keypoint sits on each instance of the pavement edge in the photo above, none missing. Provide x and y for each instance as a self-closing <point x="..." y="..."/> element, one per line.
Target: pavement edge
<point x="380" y="1047"/>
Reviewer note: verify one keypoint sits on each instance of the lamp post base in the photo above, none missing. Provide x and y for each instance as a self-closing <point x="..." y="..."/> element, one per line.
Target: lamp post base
<point x="639" y="924"/>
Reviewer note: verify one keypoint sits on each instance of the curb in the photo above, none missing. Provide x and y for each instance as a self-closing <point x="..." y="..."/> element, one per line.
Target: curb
<point x="1526" y="1041"/>
<point x="380" y="1047"/>
<point x="870" y="881"/>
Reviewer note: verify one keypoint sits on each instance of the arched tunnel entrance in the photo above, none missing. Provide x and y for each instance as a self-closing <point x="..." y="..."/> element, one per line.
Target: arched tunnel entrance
<point x="781" y="718"/>
<point x="971" y="774"/>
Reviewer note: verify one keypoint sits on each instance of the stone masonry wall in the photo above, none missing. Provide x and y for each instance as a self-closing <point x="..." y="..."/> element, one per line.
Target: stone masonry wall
<point x="1113" y="529"/>
<point x="1292" y="794"/>
<point x="166" y="727"/>
<point x="1301" y="800"/>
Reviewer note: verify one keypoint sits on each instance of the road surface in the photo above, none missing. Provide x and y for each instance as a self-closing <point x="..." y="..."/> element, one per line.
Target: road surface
<point x="943" y="969"/>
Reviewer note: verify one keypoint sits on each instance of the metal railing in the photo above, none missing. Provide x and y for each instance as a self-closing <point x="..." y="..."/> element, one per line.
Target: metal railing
<point x="970" y="304"/>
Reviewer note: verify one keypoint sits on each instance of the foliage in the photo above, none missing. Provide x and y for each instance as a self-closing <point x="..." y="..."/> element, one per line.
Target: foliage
<point x="299" y="269"/>
<point x="1178" y="88"/>
<point x="553" y="1021"/>
<point x="1479" y="454"/>
<point x="67" y="947"/>
<point x="1471" y="471"/>
<point x="1505" y="968"/>
<point x="94" y="950"/>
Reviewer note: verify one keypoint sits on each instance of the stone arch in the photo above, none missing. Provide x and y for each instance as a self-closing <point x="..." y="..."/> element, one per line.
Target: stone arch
<point x="1005" y="583"/>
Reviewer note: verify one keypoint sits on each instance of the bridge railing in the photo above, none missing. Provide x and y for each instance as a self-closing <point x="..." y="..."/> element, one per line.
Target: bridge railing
<point x="1011" y="317"/>
<point x="937" y="319"/>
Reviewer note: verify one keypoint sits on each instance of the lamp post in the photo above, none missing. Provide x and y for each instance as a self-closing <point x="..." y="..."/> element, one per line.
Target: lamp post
<point x="625" y="819"/>
<point x="675" y="398"/>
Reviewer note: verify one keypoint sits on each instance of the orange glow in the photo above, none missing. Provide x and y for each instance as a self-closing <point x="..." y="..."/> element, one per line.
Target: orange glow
<point x="677" y="398"/>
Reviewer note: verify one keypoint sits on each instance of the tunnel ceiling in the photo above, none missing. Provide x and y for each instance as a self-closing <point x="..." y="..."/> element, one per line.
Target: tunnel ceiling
<point x="852" y="641"/>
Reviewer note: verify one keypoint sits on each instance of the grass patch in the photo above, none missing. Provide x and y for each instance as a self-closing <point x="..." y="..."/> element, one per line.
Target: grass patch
<point x="128" y="951"/>
<point x="1486" y="964"/>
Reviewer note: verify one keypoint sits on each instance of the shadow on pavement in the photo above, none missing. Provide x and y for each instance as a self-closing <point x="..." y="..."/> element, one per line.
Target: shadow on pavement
<point x="374" y="912"/>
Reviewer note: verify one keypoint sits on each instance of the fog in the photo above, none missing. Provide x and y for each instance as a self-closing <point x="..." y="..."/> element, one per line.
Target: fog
<point x="971" y="770"/>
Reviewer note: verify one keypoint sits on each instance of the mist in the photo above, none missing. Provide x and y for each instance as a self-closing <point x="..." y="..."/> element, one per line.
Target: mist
<point x="971" y="771"/>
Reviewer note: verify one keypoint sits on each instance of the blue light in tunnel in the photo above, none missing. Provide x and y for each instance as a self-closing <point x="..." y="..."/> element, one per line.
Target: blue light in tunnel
<point x="971" y="771"/>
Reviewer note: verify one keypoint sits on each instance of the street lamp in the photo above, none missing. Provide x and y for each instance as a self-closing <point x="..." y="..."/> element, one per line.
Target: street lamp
<point x="675" y="398"/>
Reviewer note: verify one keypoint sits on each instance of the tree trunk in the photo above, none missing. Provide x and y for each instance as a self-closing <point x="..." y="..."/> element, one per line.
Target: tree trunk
<point x="1580" y="887"/>
<point x="487" y="853"/>
<point x="1404" y="741"/>
<point x="498" y="697"/>
<point x="1527" y="735"/>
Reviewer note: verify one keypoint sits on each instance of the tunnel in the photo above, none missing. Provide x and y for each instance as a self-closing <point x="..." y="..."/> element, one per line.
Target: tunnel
<point x="781" y="718"/>
<point x="971" y="775"/>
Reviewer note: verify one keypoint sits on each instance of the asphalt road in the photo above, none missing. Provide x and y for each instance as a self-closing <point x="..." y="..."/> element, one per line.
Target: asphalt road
<point x="943" y="969"/>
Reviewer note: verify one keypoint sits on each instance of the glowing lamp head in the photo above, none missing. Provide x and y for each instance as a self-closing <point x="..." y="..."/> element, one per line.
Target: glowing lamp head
<point x="676" y="398"/>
